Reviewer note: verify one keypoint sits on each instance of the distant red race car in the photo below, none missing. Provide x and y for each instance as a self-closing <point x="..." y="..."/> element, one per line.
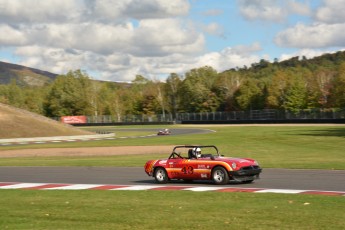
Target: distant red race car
<point x="187" y="163"/>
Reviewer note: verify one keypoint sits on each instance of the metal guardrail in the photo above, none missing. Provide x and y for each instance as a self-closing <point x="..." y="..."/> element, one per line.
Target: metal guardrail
<point x="268" y="114"/>
<point x="251" y="115"/>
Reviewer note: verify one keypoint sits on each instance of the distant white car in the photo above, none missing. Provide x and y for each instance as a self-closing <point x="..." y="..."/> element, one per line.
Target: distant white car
<point x="164" y="132"/>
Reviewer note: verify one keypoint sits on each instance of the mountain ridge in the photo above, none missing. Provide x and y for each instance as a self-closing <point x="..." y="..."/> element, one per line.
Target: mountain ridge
<point x="23" y="75"/>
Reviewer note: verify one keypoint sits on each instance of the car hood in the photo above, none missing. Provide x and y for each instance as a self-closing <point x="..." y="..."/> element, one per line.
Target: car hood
<point x="239" y="161"/>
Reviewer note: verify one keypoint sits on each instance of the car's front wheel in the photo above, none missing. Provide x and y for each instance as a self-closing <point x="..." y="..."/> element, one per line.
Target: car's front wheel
<point x="161" y="175"/>
<point x="220" y="175"/>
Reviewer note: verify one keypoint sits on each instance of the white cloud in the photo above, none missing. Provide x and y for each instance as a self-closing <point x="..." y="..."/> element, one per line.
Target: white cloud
<point x="213" y="29"/>
<point x="124" y="67"/>
<point x="332" y="11"/>
<point x="118" y="39"/>
<point x="246" y="50"/>
<point x="312" y="36"/>
<point x="266" y="10"/>
<point x="159" y="37"/>
<point x="325" y="32"/>
<point x="29" y="11"/>
<point x="299" y="8"/>
<point x="137" y="9"/>
<point x="11" y="36"/>
<point x="231" y="57"/>
<point x="115" y="38"/>
<point x="272" y="10"/>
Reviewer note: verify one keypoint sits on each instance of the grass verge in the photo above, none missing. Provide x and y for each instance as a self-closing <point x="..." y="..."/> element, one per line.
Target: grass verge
<point x="296" y="147"/>
<point x="167" y="210"/>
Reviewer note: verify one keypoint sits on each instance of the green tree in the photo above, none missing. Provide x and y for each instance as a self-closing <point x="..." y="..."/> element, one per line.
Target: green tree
<point x="277" y="90"/>
<point x="226" y="86"/>
<point x="15" y="95"/>
<point x="339" y="87"/>
<point x="320" y="88"/>
<point x="34" y="99"/>
<point x="288" y="90"/>
<point x="197" y="91"/>
<point x="250" y="95"/>
<point x="172" y="86"/>
<point x="296" y="94"/>
<point x="70" y="94"/>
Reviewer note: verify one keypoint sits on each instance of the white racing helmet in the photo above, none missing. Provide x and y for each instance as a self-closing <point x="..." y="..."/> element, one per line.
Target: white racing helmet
<point x="197" y="152"/>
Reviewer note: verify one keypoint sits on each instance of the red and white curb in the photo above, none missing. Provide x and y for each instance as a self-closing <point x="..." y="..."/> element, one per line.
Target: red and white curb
<point x="48" y="186"/>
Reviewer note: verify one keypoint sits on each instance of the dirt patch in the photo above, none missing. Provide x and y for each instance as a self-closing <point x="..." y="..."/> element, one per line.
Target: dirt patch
<point x="95" y="151"/>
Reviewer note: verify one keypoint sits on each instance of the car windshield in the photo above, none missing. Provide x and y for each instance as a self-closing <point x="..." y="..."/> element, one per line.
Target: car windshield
<point x="188" y="152"/>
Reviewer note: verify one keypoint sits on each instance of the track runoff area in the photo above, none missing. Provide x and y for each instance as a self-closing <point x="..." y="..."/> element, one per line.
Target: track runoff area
<point x="66" y="186"/>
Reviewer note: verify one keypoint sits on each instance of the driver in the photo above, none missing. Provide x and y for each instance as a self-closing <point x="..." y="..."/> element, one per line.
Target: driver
<point x="197" y="152"/>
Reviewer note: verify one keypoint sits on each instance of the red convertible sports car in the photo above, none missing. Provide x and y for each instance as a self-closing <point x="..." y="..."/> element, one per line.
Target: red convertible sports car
<point x="187" y="163"/>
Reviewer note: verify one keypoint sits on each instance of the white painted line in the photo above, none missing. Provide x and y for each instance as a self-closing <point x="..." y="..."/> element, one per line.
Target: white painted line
<point x="21" y="185"/>
<point x="203" y="189"/>
<point x="138" y="187"/>
<point x="74" y="187"/>
<point x="287" y="191"/>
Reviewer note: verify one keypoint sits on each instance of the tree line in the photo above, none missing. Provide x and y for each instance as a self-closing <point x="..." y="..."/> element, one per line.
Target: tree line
<point x="295" y="84"/>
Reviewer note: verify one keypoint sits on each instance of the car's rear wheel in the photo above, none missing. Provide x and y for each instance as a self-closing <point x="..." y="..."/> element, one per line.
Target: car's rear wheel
<point x="161" y="175"/>
<point x="220" y="175"/>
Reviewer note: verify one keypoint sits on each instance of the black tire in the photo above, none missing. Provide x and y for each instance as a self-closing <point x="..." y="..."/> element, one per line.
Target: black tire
<point x="161" y="175"/>
<point x="220" y="175"/>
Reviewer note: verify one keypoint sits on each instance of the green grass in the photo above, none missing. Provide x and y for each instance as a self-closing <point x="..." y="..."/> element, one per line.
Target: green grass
<point x="167" y="210"/>
<point x="275" y="147"/>
<point x="114" y="161"/>
<point x="306" y="147"/>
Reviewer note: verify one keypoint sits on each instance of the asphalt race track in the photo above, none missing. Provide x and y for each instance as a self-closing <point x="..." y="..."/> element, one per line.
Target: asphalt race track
<point x="44" y="140"/>
<point x="326" y="180"/>
<point x="298" y="179"/>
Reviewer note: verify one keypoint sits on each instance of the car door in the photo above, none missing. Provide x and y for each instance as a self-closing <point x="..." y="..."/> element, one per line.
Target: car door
<point x="178" y="168"/>
<point x="187" y="169"/>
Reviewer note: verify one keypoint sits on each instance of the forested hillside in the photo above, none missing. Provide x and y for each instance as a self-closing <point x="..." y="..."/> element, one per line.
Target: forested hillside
<point x="294" y="84"/>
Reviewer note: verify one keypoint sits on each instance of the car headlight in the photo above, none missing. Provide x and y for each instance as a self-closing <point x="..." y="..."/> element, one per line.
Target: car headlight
<point x="233" y="165"/>
<point x="256" y="163"/>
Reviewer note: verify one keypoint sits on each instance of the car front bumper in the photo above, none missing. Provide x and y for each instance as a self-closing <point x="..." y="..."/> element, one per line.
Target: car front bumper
<point x="251" y="171"/>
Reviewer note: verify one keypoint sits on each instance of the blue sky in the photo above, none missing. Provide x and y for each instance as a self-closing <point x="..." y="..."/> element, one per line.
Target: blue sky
<point x="118" y="39"/>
